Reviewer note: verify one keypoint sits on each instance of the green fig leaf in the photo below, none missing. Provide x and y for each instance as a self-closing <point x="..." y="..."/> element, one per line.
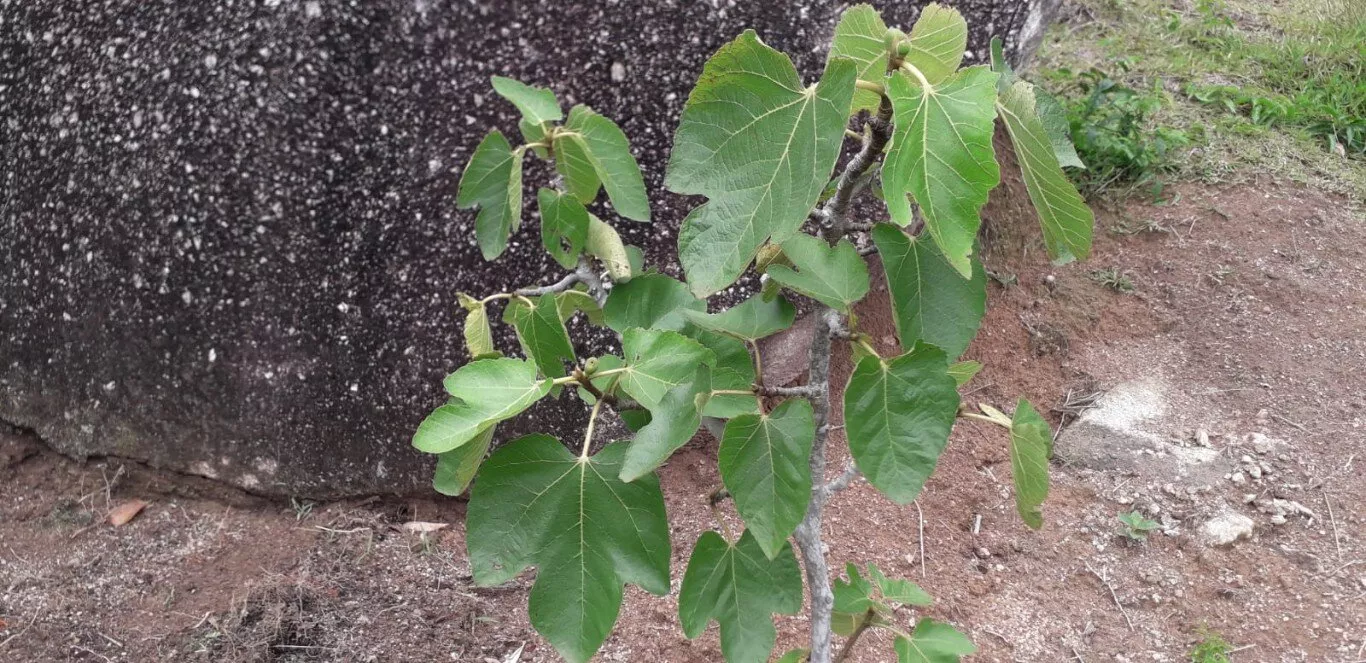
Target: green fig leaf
<point x="898" y="414"/>
<point x="486" y="392"/>
<point x="1065" y="218"/>
<point x="586" y="532"/>
<point x="941" y="154"/>
<point x="536" y="104"/>
<point x="835" y="276"/>
<point x="765" y="462"/>
<point x="740" y="588"/>
<point x="1031" y="442"/>
<point x="931" y="301"/>
<point x="609" y="153"/>
<point x="750" y="320"/>
<point x="493" y="182"/>
<point x="760" y="146"/>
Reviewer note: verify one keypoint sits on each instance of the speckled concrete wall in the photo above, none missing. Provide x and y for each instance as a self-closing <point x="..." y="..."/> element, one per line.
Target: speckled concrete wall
<point x="228" y="242"/>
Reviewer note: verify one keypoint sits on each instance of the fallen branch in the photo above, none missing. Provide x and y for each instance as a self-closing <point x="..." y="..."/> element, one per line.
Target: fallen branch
<point x="1105" y="581"/>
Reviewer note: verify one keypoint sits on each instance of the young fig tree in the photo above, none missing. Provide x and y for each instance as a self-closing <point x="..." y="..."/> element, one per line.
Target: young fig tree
<point x="761" y="145"/>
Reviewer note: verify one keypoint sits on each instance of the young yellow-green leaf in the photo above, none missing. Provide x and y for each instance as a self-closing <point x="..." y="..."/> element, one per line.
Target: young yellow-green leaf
<point x="573" y="163"/>
<point x="760" y="146"/>
<point x="1030" y="444"/>
<point x="897" y="590"/>
<point x="493" y="182"/>
<point x="931" y="301"/>
<point x="1064" y="215"/>
<point x="657" y="361"/>
<point x="586" y="532"/>
<point x="457" y="467"/>
<point x="898" y="413"/>
<point x="861" y="37"/>
<point x="941" y="153"/>
<point x="486" y="392"/>
<point x="610" y="154"/>
<point x="478" y="335"/>
<point x="933" y="642"/>
<point x="650" y="301"/>
<point x="796" y="656"/>
<point x="542" y="334"/>
<point x="741" y="588"/>
<point x="536" y="104"/>
<point x="937" y="41"/>
<point x="750" y="320"/>
<point x="833" y="275"/>
<point x="605" y="244"/>
<point x="673" y="421"/>
<point x="765" y="462"/>
<point x="964" y="371"/>
<point x="734" y="371"/>
<point x="533" y="132"/>
<point x="564" y="226"/>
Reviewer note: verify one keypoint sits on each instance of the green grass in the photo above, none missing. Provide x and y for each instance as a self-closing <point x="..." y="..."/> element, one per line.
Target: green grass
<point x="1114" y="279"/>
<point x="1212" y="648"/>
<point x="1215" y="91"/>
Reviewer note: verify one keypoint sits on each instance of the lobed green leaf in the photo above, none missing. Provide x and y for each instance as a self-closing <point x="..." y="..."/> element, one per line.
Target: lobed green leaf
<point x="486" y="392"/>
<point x="673" y="421"/>
<point x="861" y="36"/>
<point x="657" y="361"/>
<point x="964" y="371"/>
<point x="760" y="146"/>
<point x="575" y="165"/>
<point x="765" y="463"/>
<point x="896" y="590"/>
<point x="455" y="469"/>
<point x="933" y="642"/>
<point x="587" y="533"/>
<point x="941" y="154"/>
<point x="492" y="181"/>
<point x="536" y="104"/>
<point x="1065" y="218"/>
<point x="751" y="320"/>
<point x="898" y="414"/>
<point x="540" y="329"/>
<point x="938" y="40"/>
<point x="564" y="226"/>
<point x="740" y="588"/>
<point x="650" y="301"/>
<point x="609" y="153"/>
<point x="931" y="301"/>
<point x="734" y="371"/>
<point x="833" y="275"/>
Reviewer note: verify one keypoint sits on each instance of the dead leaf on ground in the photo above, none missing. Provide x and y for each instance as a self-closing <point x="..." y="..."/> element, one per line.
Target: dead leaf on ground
<point x="121" y="514"/>
<point x="424" y="527"/>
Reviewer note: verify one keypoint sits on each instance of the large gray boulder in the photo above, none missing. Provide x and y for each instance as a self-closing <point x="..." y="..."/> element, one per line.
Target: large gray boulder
<point x="228" y="242"/>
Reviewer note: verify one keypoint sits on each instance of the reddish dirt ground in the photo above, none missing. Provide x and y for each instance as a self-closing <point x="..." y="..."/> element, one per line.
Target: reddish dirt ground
<point x="1248" y="303"/>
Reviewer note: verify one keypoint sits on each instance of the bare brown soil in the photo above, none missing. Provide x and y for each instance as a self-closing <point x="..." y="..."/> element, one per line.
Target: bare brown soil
<point x="1249" y="303"/>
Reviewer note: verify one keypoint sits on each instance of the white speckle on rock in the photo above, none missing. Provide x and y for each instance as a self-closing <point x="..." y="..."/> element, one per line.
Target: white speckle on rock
<point x="213" y="355"/>
<point x="1226" y="528"/>
<point x="618" y="71"/>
